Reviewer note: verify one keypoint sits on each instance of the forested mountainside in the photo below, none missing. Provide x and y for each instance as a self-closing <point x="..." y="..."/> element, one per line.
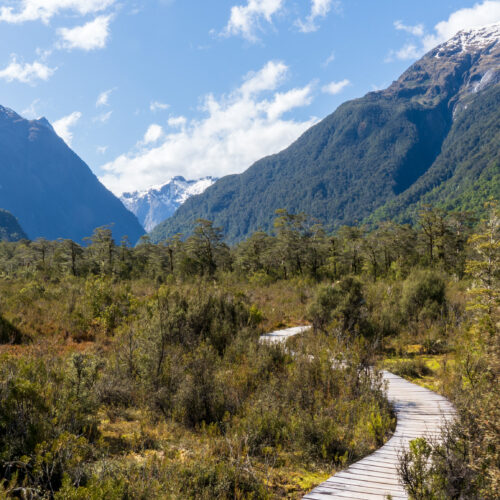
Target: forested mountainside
<point x="467" y="171"/>
<point x="10" y="230"/>
<point x="50" y="189"/>
<point x="418" y="140"/>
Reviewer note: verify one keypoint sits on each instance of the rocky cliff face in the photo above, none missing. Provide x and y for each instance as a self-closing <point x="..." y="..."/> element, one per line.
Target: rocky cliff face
<point x="52" y="192"/>
<point x="454" y="71"/>
<point x="370" y="151"/>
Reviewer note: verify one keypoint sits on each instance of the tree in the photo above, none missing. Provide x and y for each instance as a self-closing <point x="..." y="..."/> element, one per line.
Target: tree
<point x="207" y="248"/>
<point x="68" y="253"/>
<point x="484" y="265"/>
<point x="252" y="255"/>
<point x="102" y="249"/>
<point x="434" y="227"/>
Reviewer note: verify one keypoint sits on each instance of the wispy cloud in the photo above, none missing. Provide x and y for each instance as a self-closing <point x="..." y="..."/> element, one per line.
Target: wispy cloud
<point x="31" y="111"/>
<point x="103" y="117"/>
<point x="177" y="121"/>
<point x="158" y="106"/>
<point x="235" y="130"/>
<point x="319" y="9"/>
<point x="103" y="98"/>
<point x="246" y="20"/>
<point x="26" y="72"/>
<point x="102" y="149"/>
<point x="417" y="30"/>
<point x="64" y="125"/>
<point x="44" y="10"/>
<point x="328" y="60"/>
<point x="91" y="36"/>
<point x="335" y="87"/>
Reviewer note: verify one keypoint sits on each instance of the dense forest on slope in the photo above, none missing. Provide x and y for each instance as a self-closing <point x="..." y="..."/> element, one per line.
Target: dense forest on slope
<point x="467" y="171"/>
<point x="437" y="123"/>
<point x="10" y="230"/>
<point x="52" y="192"/>
<point x="138" y="373"/>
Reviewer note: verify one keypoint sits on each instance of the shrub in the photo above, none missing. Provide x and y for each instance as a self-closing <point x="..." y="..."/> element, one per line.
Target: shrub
<point x="424" y="295"/>
<point x="412" y="368"/>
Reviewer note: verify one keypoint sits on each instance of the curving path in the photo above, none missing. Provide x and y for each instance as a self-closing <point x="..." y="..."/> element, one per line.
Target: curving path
<point x="420" y="412"/>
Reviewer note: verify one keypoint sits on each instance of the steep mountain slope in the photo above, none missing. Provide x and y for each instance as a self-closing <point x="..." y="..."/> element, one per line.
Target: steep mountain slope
<point x="159" y="203"/>
<point x="365" y="154"/>
<point x="467" y="171"/>
<point x="51" y="190"/>
<point x="10" y="230"/>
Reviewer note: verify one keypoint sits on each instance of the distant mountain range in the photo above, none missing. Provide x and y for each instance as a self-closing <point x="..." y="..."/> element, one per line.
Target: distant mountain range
<point x="51" y="191"/>
<point x="159" y="203"/>
<point x="432" y="136"/>
<point x="10" y="230"/>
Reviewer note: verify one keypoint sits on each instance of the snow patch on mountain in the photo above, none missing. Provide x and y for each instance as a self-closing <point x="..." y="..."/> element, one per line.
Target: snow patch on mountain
<point x="158" y="203"/>
<point x="470" y="40"/>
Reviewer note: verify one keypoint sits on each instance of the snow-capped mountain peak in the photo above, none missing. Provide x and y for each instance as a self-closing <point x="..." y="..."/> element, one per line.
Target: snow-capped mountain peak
<point x="158" y="203"/>
<point x="471" y="40"/>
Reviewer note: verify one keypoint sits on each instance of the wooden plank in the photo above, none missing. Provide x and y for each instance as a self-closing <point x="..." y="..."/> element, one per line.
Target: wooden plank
<point x="420" y="413"/>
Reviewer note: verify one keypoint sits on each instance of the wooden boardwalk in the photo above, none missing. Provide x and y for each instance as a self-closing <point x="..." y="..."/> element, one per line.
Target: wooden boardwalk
<point x="282" y="335"/>
<point x="420" y="413"/>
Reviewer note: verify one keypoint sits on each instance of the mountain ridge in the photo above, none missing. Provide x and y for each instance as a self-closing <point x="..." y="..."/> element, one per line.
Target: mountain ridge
<point x="52" y="191"/>
<point x="391" y="137"/>
<point x="10" y="230"/>
<point x="154" y="205"/>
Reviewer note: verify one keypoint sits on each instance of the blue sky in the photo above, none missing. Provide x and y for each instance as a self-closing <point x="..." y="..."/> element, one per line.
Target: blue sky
<point x="147" y="90"/>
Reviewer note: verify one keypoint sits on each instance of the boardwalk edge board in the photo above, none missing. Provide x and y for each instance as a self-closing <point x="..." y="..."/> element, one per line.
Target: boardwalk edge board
<point x="419" y="412"/>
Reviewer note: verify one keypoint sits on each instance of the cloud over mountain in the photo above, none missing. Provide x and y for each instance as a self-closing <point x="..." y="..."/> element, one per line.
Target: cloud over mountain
<point x="236" y="130"/>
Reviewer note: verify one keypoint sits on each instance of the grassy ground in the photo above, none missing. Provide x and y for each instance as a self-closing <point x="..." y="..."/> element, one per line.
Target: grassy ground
<point x="134" y="437"/>
<point x="417" y="366"/>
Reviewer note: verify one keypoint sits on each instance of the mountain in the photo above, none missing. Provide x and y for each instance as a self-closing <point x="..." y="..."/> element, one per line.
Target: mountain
<point x="10" y="230"/>
<point x="159" y="203"/>
<point x="467" y="171"/>
<point x="51" y="190"/>
<point x="432" y="132"/>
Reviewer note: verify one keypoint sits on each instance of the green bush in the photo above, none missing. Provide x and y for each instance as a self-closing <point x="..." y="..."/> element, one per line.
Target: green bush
<point x="413" y="368"/>
<point x="424" y="296"/>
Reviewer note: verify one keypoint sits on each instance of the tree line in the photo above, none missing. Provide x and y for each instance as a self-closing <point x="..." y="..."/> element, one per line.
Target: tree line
<point x="299" y="246"/>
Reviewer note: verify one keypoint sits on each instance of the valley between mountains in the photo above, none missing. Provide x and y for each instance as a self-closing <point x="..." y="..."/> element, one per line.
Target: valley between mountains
<point x="152" y="344"/>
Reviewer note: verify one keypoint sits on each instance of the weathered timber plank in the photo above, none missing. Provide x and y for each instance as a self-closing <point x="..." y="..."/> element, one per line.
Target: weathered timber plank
<point x="420" y="413"/>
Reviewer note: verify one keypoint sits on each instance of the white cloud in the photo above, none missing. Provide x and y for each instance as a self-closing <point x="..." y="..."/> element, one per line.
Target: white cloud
<point x="329" y="60"/>
<point x="103" y="98"/>
<point x="153" y="134"/>
<point x="44" y="10"/>
<point x="103" y="117"/>
<point x="319" y="9"/>
<point x="481" y="14"/>
<point x="26" y="72"/>
<point x="177" y="121"/>
<point x="409" y="51"/>
<point x="158" y="106"/>
<point x="235" y="130"/>
<point x="102" y="149"/>
<point x="417" y="30"/>
<point x="91" y="36"/>
<point x="286" y="101"/>
<point x="31" y="112"/>
<point x="64" y="125"/>
<point x="268" y="78"/>
<point x="245" y="20"/>
<point x="335" y="87"/>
